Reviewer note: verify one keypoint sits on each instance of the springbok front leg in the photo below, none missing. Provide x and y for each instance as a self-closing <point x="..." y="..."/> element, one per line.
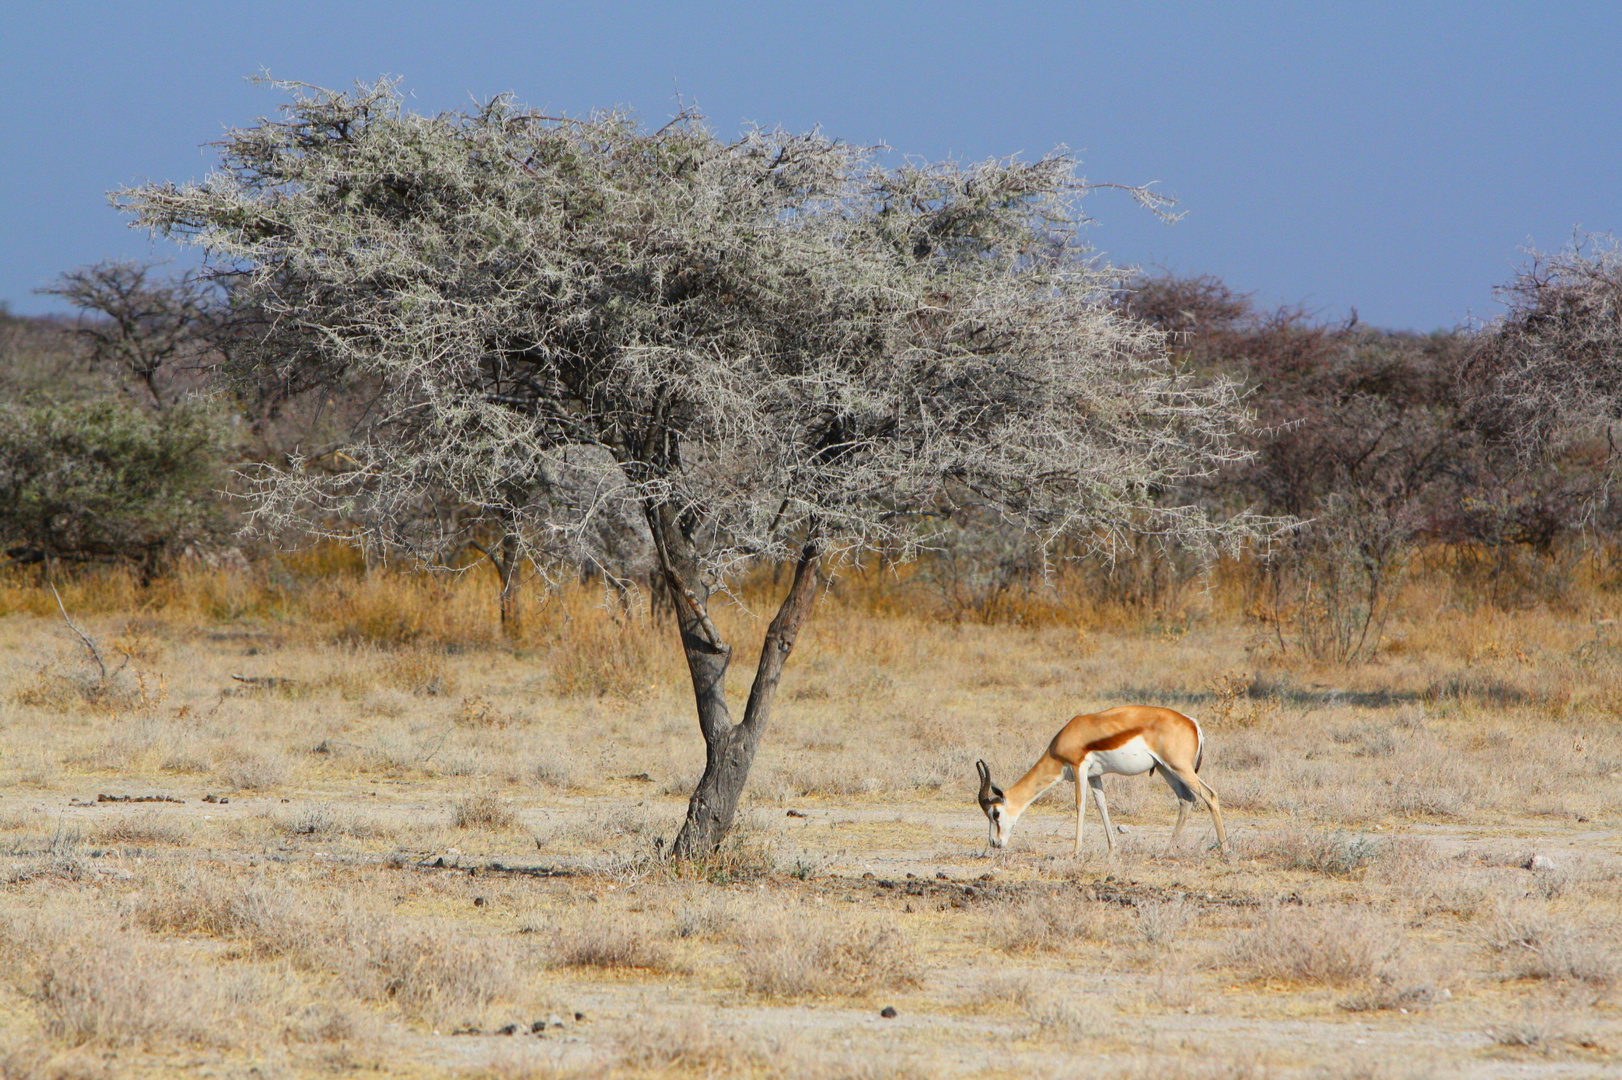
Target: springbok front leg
<point x="1097" y="784"/>
<point x="1081" y="809"/>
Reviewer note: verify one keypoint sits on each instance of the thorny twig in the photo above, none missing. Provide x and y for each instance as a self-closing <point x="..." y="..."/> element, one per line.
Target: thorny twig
<point x="95" y="653"/>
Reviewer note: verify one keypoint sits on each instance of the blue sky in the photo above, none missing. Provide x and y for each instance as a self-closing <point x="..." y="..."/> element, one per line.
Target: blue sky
<point x="1392" y="158"/>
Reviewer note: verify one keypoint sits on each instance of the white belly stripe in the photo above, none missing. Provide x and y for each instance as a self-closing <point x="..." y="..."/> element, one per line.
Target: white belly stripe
<point x="1131" y="758"/>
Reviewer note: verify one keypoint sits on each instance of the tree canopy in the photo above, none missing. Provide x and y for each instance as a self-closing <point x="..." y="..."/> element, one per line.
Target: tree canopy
<point x="776" y="347"/>
<point x="774" y="334"/>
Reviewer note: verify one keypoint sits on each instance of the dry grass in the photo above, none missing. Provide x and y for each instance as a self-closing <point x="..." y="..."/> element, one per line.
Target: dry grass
<point x="1058" y="921"/>
<point x="608" y="940"/>
<point x="790" y="956"/>
<point x="429" y="973"/>
<point x="1333" y="946"/>
<point x="486" y="810"/>
<point x="432" y="830"/>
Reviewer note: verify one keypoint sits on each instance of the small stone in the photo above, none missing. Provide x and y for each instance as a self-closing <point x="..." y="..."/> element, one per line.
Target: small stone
<point x="940" y="875"/>
<point x="579" y="1016"/>
<point x="478" y="901"/>
<point x="507" y="1029"/>
<point x="888" y="1012"/>
<point x="554" y="1021"/>
<point x="537" y="1027"/>
<point x="1538" y="863"/>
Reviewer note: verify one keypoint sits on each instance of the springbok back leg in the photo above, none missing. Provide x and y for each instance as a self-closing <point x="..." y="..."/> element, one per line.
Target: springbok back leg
<point x="1208" y="793"/>
<point x="1184" y="805"/>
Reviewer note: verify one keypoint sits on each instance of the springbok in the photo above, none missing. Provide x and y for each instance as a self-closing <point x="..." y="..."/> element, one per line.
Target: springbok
<point x="1129" y="740"/>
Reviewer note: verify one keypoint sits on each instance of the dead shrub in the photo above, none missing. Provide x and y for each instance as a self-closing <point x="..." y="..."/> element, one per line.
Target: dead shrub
<point x="274" y="921"/>
<point x="1367" y="740"/>
<point x="747" y="854"/>
<point x="554" y="772"/>
<point x="812" y="957"/>
<point x="486" y="810"/>
<point x="55" y="690"/>
<point x="1317" y="947"/>
<point x="60" y="858"/>
<point x="1536" y="948"/>
<point x="320" y="1022"/>
<point x="477" y="712"/>
<point x="116" y="989"/>
<point x="688" y="1045"/>
<point x="1333" y="853"/>
<point x="1388" y="993"/>
<point x="1059" y="1017"/>
<point x="431" y="974"/>
<point x="1163" y="922"/>
<point x="1405" y="861"/>
<point x="704" y="916"/>
<point x="247" y="769"/>
<point x="1048" y="922"/>
<point x="596" y="941"/>
<point x="420" y="673"/>
<point x="148" y="828"/>
<point x="327" y="822"/>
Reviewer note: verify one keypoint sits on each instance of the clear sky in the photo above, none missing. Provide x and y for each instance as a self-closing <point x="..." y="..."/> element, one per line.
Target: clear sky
<point x="1394" y="158"/>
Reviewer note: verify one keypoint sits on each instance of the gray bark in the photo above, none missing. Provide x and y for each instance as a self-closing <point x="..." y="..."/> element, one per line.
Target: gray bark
<point x="729" y="748"/>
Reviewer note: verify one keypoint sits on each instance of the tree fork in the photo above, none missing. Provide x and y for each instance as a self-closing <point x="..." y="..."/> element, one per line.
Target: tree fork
<point x="730" y="750"/>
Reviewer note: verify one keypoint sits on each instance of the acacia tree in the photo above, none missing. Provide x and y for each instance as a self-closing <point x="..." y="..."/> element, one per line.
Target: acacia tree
<point x="1551" y="367"/>
<point x="770" y="349"/>
<point x="146" y="324"/>
<point x="1542" y="387"/>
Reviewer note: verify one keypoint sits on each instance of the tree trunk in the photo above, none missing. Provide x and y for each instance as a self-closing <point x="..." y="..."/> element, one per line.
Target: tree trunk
<point x="729" y="749"/>
<point x="507" y="564"/>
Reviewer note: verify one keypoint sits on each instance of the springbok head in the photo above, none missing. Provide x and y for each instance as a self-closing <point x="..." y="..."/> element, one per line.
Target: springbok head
<point x="994" y="804"/>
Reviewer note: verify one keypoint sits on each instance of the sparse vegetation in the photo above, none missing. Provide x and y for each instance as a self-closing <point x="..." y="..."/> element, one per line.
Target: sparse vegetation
<point x="1412" y="835"/>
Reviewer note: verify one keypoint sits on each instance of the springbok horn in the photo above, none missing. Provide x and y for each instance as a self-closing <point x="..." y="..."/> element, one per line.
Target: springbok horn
<point x="985" y="780"/>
